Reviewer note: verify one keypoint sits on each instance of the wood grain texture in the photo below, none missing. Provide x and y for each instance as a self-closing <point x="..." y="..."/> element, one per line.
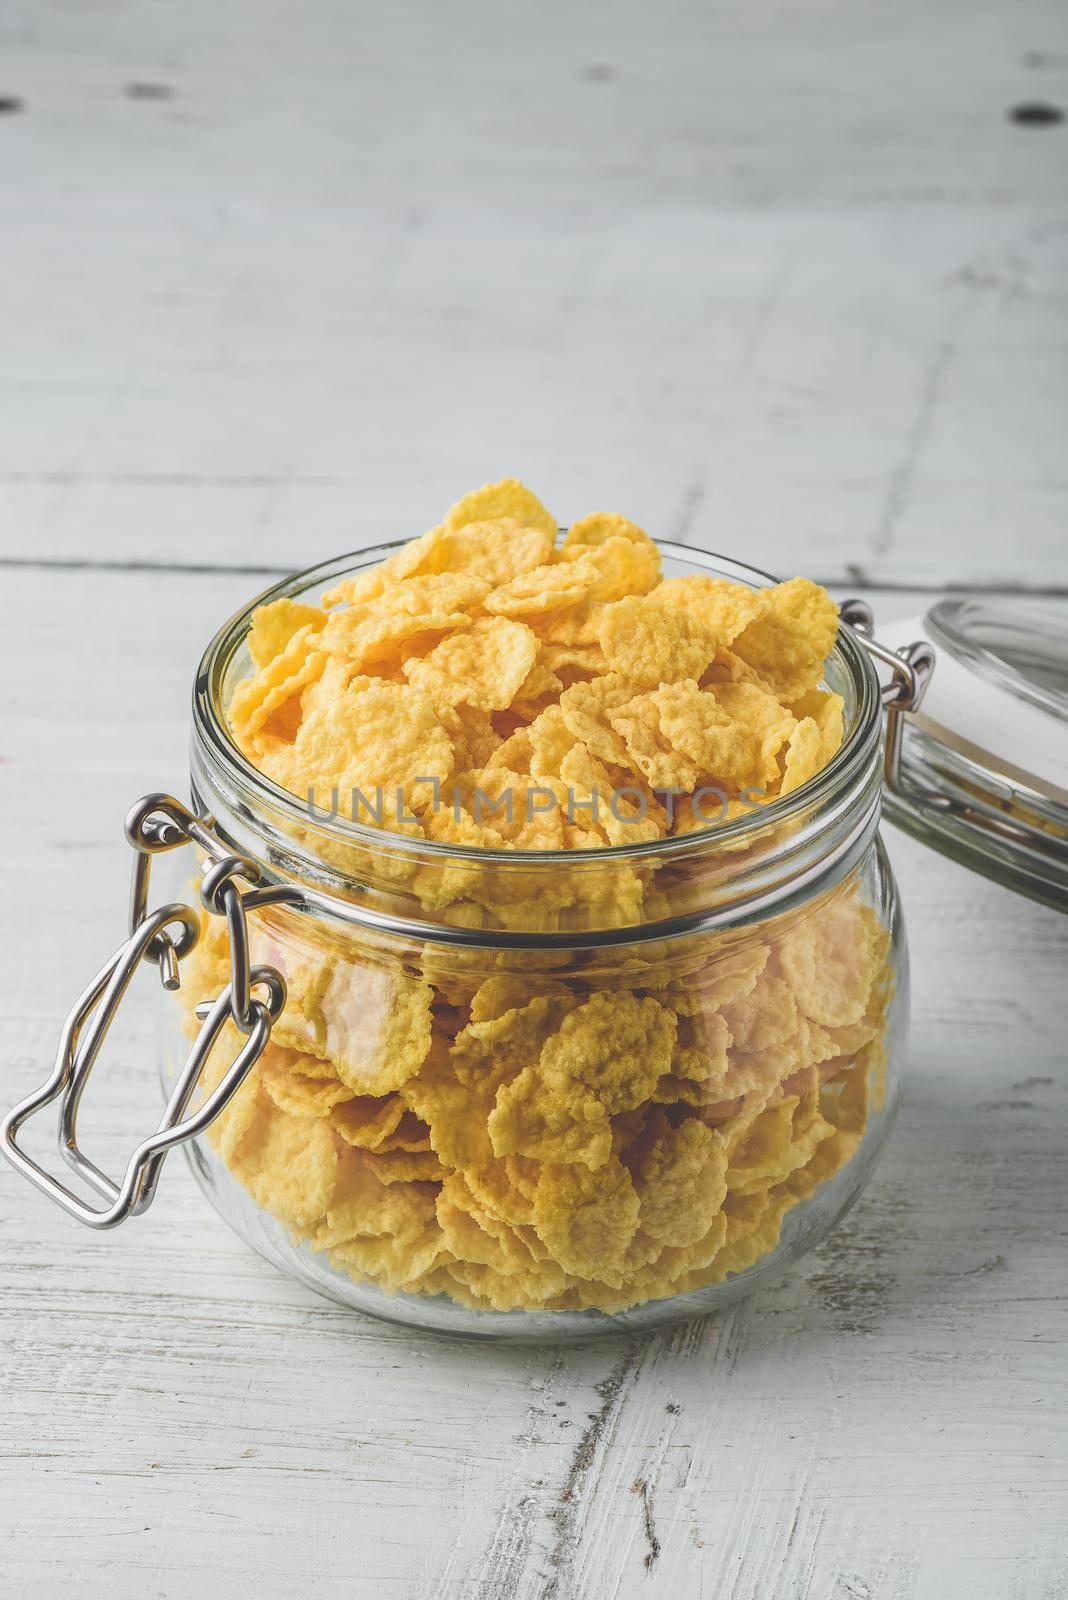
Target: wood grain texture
<point x="785" y="279"/>
<point x="891" y="1421"/>
<point x="281" y="279"/>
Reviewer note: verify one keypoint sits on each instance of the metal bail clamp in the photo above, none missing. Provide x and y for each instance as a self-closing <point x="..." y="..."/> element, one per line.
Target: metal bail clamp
<point x="911" y="668"/>
<point x="157" y="823"/>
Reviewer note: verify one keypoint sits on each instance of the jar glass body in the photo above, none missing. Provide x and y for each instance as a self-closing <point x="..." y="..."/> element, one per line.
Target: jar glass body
<point x="516" y="1097"/>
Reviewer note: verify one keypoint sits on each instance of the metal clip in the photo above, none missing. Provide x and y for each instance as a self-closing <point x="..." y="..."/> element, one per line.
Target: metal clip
<point x="158" y="822"/>
<point x="911" y="668"/>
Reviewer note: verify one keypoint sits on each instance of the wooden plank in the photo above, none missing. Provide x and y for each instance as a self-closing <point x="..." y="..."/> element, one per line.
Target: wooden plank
<point x="788" y="282"/>
<point x="891" y="1421"/>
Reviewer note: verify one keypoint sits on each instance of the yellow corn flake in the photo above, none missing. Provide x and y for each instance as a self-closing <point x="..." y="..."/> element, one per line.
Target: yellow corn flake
<point x="830" y="963"/>
<point x="681" y="1183"/>
<point x="651" y="644"/>
<point x="648" y="750"/>
<point x="475" y="740"/>
<point x="548" y="1120"/>
<point x="575" y="627"/>
<point x="275" y="685"/>
<point x="827" y="711"/>
<point x="384" y="737"/>
<point x="598" y="528"/>
<point x="766" y="1016"/>
<point x="616" y="1044"/>
<point x="725" y="608"/>
<point x="288" y="1164"/>
<point x="513" y="753"/>
<point x="782" y="1139"/>
<point x="679" y="735"/>
<point x="362" y="1206"/>
<point x="455" y="1112"/>
<point x="404" y="1166"/>
<point x="539" y="688"/>
<point x="407" y="615"/>
<point x="409" y="561"/>
<point x="508" y="991"/>
<point x="368" y="1121"/>
<point x="626" y="566"/>
<point x="803" y="757"/>
<point x="623" y="813"/>
<point x="299" y="1094"/>
<point x="701" y="1046"/>
<point x="789" y="644"/>
<point x="377" y="1027"/>
<point x="587" y="1219"/>
<point x="721" y="747"/>
<point x="495" y="551"/>
<point x="585" y="709"/>
<point x="495" y="1188"/>
<point x="547" y="588"/>
<point x="497" y="1048"/>
<point x="484" y="667"/>
<point x="550" y="739"/>
<point x="395" y="1264"/>
<point x="506" y="498"/>
<point x="770" y="723"/>
<point x="274" y="625"/>
<point x="729" y="975"/>
<point x="524" y="815"/>
<point x="571" y="662"/>
<point x="474" y="1233"/>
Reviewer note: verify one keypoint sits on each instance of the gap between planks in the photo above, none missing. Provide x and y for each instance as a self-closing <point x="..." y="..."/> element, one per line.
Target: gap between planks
<point x="854" y="577"/>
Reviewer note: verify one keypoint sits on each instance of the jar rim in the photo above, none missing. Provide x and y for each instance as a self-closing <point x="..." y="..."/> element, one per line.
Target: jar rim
<point x="847" y="767"/>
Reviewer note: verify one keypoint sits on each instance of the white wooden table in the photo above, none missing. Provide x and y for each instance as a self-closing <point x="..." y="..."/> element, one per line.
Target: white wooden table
<point x="280" y="279"/>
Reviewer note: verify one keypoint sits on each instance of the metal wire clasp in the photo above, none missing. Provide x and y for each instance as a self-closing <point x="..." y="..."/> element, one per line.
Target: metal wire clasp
<point x="156" y="823"/>
<point x="911" y="668"/>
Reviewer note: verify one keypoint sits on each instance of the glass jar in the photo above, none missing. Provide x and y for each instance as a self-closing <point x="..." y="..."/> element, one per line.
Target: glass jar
<point x="511" y="1094"/>
<point x="532" y="1093"/>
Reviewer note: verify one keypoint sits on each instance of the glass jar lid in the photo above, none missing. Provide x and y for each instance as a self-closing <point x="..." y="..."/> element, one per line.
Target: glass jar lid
<point x="983" y="773"/>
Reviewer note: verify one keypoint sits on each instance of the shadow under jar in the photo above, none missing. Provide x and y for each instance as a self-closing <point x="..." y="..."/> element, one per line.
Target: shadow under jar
<point x="529" y="1094"/>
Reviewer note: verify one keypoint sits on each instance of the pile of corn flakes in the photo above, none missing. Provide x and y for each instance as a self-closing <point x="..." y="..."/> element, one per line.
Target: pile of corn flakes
<point x="549" y="1129"/>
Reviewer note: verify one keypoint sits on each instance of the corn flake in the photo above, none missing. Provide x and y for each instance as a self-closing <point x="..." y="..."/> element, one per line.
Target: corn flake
<point x="506" y="498"/>
<point x="484" y="667"/>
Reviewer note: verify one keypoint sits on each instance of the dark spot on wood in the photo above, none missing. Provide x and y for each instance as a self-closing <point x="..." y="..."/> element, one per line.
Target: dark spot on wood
<point x="672" y="1409"/>
<point x="564" y="1512"/>
<point x="640" y="1486"/>
<point x="1037" y="59"/>
<point x="1033" y="1083"/>
<point x="992" y="1264"/>
<point x="599" y="72"/>
<point x="148" y="91"/>
<point x="850" y="1277"/>
<point x="1006" y="1105"/>
<point x="11" y="105"/>
<point x="1035" y="114"/>
<point x="559" y="1403"/>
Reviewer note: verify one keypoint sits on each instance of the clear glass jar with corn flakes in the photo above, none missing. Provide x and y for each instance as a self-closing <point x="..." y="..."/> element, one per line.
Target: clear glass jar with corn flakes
<point x="534" y="1093"/>
<point x="512" y="1093"/>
